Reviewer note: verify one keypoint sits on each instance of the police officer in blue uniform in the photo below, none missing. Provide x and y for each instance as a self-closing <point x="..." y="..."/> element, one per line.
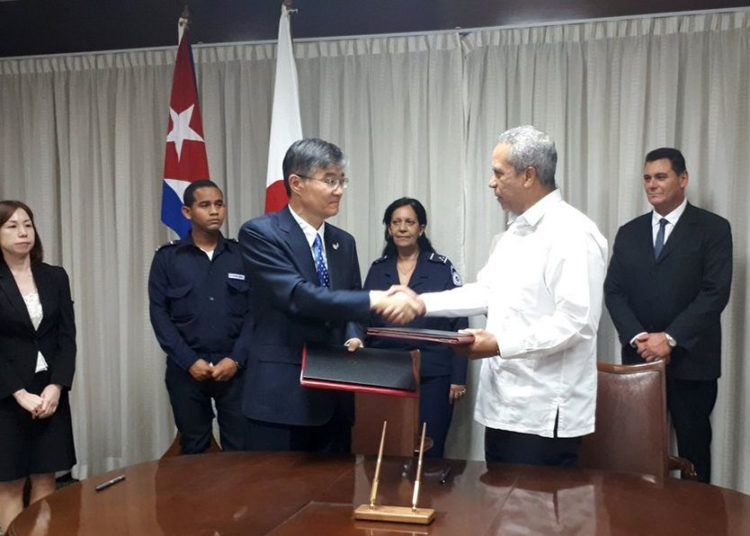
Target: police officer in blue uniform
<point x="409" y="259"/>
<point x="199" y="299"/>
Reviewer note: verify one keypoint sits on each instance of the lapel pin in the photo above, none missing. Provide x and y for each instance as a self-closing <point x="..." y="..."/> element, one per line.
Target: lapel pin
<point x="335" y="245"/>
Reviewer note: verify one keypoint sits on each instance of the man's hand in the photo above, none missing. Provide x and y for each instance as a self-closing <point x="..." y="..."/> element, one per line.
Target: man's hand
<point x="201" y="370"/>
<point x="353" y="344"/>
<point x="50" y="399"/>
<point x="29" y="401"/>
<point x="456" y="393"/>
<point x="224" y="370"/>
<point x="484" y="345"/>
<point x="397" y="306"/>
<point x="652" y="346"/>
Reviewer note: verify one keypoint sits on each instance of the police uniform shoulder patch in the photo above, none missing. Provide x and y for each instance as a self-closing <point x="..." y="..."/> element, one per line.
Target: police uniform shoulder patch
<point x="455" y="277"/>
<point x="381" y="259"/>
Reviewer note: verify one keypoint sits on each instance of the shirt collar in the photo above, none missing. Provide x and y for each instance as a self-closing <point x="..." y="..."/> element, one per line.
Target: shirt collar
<point x="188" y="241"/>
<point x="536" y="212"/>
<point x="309" y="230"/>
<point x="672" y="217"/>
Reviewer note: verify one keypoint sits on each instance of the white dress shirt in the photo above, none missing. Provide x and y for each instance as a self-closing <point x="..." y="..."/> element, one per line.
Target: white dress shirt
<point x="672" y="219"/>
<point x="310" y="234"/>
<point x="542" y="292"/>
<point x="36" y="314"/>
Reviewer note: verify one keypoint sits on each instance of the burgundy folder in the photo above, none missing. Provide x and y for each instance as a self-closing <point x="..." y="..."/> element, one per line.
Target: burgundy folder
<point x="368" y="370"/>
<point x="451" y="338"/>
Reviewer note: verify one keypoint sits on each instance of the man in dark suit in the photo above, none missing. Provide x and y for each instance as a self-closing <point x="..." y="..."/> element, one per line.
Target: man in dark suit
<point x="305" y="278"/>
<point x="667" y="284"/>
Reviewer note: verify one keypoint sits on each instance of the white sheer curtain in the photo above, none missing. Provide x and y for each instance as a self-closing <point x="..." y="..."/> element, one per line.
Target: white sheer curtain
<point x="82" y="140"/>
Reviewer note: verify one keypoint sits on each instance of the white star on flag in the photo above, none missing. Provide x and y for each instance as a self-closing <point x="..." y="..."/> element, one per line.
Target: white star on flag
<point x="181" y="130"/>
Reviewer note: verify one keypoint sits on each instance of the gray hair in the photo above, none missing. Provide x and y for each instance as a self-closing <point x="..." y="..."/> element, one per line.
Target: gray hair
<point x="308" y="155"/>
<point x="530" y="147"/>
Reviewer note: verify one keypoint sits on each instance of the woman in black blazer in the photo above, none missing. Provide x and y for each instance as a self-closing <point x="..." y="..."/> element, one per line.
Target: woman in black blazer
<point x="37" y="361"/>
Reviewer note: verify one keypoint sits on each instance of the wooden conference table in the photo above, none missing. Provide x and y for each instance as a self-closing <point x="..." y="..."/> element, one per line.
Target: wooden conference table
<point x="303" y="494"/>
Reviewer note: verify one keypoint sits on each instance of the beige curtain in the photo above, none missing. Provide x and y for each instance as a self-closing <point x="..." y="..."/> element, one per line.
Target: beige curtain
<point x="82" y="140"/>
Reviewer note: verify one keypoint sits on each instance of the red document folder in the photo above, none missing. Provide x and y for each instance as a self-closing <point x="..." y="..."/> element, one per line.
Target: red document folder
<point x="451" y="338"/>
<point x="368" y="370"/>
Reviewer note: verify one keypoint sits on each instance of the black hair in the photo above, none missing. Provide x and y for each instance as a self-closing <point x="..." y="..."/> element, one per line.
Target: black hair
<point x="306" y="156"/>
<point x="673" y="155"/>
<point x="423" y="242"/>
<point x="188" y="198"/>
<point x="7" y="209"/>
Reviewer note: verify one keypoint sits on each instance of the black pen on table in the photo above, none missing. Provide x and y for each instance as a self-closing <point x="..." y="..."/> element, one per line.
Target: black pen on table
<point x="109" y="483"/>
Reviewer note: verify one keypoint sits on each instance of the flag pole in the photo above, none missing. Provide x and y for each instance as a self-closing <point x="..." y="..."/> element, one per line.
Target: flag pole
<point x="183" y="22"/>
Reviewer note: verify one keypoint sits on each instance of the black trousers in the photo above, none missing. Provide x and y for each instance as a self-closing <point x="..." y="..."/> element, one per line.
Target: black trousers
<point x="436" y="410"/>
<point x="333" y="437"/>
<point x="502" y="446"/>
<point x="690" y="403"/>
<point x="194" y="414"/>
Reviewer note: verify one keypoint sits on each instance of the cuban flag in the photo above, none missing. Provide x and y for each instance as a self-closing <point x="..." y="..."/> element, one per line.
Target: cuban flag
<point x="286" y="124"/>
<point x="185" y="160"/>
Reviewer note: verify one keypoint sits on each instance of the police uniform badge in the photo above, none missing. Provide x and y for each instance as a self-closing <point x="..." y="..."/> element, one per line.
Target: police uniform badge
<point x="455" y="277"/>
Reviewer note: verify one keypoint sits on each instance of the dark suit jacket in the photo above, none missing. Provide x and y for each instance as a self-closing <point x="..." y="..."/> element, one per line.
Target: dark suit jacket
<point x="432" y="273"/>
<point x="20" y="342"/>
<point x="291" y="308"/>
<point x="682" y="293"/>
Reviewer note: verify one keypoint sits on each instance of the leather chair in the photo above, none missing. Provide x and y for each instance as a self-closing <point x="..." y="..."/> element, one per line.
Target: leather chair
<point x="631" y="423"/>
<point x="402" y="414"/>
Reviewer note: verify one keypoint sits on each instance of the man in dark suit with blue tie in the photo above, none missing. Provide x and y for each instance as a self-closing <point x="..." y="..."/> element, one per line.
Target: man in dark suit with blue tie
<point x="667" y="284"/>
<point x="305" y="277"/>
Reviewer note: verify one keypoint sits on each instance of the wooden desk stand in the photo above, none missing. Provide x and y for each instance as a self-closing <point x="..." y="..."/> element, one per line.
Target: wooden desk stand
<point x="396" y="514"/>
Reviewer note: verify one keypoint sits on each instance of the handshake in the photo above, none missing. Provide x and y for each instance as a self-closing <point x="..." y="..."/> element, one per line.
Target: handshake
<point x="397" y="305"/>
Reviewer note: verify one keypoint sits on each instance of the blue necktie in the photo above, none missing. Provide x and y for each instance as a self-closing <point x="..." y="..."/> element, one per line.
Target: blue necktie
<point x="320" y="262"/>
<point x="659" y="244"/>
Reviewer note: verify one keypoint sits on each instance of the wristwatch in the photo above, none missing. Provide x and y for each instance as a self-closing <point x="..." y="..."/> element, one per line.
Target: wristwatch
<point x="670" y="340"/>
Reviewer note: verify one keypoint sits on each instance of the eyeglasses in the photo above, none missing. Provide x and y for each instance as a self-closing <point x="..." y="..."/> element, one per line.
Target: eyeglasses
<point x="331" y="182"/>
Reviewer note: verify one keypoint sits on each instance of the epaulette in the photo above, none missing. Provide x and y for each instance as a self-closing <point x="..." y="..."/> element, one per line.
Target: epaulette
<point x="168" y="244"/>
<point x="441" y="259"/>
<point x="381" y="259"/>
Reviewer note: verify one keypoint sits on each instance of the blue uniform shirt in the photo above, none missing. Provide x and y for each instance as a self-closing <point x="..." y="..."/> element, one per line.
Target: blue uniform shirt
<point x="432" y="273"/>
<point x="200" y="307"/>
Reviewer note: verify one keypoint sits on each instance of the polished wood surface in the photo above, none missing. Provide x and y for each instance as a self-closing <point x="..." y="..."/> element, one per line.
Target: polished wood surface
<point x="304" y="494"/>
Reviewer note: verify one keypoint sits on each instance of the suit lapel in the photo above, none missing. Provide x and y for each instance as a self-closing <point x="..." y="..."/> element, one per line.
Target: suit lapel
<point x="295" y="239"/>
<point x="10" y="289"/>
<point x="391" y="271"/>
<point x="420" y="273"/>
<point x="47" y="293"/>
<point x="681" y="232"/>
<point x="644" y="238"/>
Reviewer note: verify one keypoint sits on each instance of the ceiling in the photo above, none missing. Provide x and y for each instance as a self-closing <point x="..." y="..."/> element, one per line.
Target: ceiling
<point x="29" y="27"/>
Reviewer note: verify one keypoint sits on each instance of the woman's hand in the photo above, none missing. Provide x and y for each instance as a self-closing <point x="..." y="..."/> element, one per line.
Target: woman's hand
<point x="50" y="399"/>
<point x="456" y="393"/>
<point x="29" y="401"/>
